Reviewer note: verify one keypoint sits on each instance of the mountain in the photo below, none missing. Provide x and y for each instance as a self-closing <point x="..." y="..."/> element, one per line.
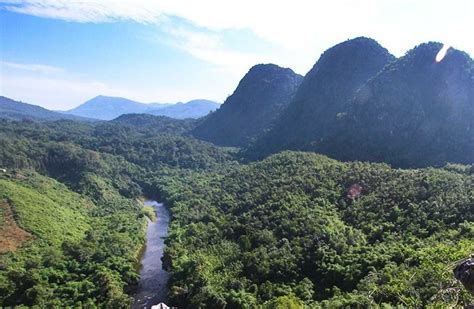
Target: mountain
<point x="416" y="112"/>
<point x="108" y="108"/>
<point x="323" y="94"/>
<point x="15" y="110"/>
<point x="256" y="102"/>
<point x="192" y="109"/>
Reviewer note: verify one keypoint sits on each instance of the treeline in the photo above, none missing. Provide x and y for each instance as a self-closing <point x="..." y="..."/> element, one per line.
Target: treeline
<point x="304" y="230"/>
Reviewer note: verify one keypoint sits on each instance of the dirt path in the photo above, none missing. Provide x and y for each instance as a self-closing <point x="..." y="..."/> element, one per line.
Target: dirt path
<point x="11" y="235"/>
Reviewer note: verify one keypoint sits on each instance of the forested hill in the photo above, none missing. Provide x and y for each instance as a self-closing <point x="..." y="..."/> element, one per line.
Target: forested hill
<point x="416" y="112"/>
<point x="324" y="93"/>
<point x="300" y="230"/>
<point x="360" y="103"/>
<point x="15" y="110"/>
<point x="260" y="97"/>
<point x="156" y="124"/>
<point x="145" y="148"/>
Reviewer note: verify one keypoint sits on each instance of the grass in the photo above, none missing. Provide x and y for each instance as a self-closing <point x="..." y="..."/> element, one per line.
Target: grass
<point x="46" y="208"/>
<point x="149" y="211"/>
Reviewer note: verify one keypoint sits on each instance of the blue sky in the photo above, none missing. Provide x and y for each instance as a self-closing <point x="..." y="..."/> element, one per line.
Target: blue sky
<point x="59" y="53"/>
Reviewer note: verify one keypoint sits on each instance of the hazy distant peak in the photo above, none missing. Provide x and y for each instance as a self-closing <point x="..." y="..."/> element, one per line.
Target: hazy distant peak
<point x="108" y="108"/>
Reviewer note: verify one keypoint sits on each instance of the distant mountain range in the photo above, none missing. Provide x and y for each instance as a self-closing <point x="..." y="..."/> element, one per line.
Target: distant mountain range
<point x="263" y="93"/>
<point x="105" y="108"/>
<point x="15" y="110"/>
<point x="108" y="108"/>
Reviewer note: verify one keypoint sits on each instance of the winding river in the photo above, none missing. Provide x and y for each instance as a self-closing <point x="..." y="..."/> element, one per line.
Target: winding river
<point x="152" y="288"/>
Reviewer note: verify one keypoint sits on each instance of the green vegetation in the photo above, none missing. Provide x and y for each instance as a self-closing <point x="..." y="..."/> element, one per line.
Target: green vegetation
<point x="82" y="252"/>
<point x="46" y="208"/>
<point x="360" y="103"/>
<point x="292" y="229"/>
<point x="149" y="212"/>
<point x="74" y="190"/>
<point x="295" y="230"/>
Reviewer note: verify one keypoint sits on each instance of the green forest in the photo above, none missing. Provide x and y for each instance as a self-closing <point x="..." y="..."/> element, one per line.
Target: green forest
<point x="295" y="230"/>
<point x="292" y="230"/>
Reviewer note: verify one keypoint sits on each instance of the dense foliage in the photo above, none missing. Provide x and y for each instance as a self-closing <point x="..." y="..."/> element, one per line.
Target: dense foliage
<point x="324" y="233"/>
<point x="156" y="124"/>
<point x="82" y="251"/>
<point x="77" y="240"/>
<point x="261" y="96"/>
<point x="147" y="148"/>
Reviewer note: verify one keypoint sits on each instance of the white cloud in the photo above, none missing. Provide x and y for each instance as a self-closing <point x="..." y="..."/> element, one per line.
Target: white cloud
<point x="304" y="27"/>
<point x="38" y="68"/>
<point x="86" y="10"/>
<point x="300" y="30"/>
<point x="209" y="47"/>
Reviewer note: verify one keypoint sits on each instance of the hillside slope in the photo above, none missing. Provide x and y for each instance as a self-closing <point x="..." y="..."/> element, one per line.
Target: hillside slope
<point x="259" y="99"/>
<point x="193" y="109"/>
<point x="302" y="230"/>
<point x="156" y="124"/>
<point x="416" y="112"/>
<point x="15" y="110"/>
<point x="324" y="93"/>
<point x="108" y="108"/>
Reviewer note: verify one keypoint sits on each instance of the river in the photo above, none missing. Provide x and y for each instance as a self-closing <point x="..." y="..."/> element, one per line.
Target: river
<point x="153" y="288"/>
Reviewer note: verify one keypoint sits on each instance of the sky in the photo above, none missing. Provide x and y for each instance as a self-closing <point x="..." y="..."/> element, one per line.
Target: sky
<point x="60" y="53"/>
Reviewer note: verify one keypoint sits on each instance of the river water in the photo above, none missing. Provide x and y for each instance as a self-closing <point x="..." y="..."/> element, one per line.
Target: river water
<point x="152" y="288"/>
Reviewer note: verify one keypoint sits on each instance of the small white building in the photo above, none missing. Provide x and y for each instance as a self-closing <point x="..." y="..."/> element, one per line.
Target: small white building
<point x="160" y="306"/>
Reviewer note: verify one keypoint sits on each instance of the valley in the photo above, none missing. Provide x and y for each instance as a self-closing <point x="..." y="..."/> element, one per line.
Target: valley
<point x="351" y="186"/>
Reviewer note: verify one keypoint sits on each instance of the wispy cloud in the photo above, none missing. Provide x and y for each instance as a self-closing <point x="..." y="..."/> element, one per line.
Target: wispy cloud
<point x="300" y="30"/>
<point x="210" y="48"/>
<point x="86" y="10"/>
<point x="300" y="24"/>
<point x="38" y="68"/>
